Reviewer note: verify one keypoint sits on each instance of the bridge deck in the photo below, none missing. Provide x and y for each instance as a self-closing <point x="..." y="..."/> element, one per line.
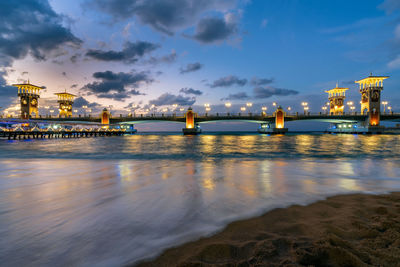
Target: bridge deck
<point x="209" y="118"/>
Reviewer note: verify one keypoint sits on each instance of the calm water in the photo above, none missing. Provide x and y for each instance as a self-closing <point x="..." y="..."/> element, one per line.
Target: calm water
<point x="115" y="200"/>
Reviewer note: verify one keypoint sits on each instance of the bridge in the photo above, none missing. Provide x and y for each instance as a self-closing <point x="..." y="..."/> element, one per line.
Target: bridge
<point x="367" y="121"/>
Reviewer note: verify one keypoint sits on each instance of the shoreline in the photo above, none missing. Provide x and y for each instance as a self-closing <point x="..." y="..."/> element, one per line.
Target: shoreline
<point x="343" y="230"/>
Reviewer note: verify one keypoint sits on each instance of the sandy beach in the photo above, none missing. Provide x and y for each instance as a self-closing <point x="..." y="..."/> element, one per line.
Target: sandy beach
<point x="345" y="230"/>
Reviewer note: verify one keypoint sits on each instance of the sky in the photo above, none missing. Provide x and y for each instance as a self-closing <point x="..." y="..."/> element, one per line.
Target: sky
<point x="139" y="55"/>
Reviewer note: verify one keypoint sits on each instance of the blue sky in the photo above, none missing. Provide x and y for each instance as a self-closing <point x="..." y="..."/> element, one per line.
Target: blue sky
<point x="132" y="54"/>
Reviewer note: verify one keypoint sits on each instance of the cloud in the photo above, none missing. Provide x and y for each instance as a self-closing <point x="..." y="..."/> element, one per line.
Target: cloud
<point x="64" y="74"/>
<point x="24" y="73"/>
<point x="191" y="67"/>
<point x="264" y="23"/>
<point x="170" y="99"/>
<point x="74" y="86"/>
<point x="164" y="16"/>
<point x="170" y="58"/>
<point x="228" y="81"/>
<point x="118" y="86"/>
<point x="214" y="29"/>
<point x="80" y="102"/>
<point x="261" y="81"/>
<point x="74" y="58"/>
<point x="390" y="5"/>
<point x="395" y="63"/>
<point x="237" y="96"/>
<point x="266" y="92"/>
<point x="130" y="53"/>
<point x="7" y="92"/>
<point x="397" y="32"/>
<point x="31" y="27"/>
<point x="190" y="91"/>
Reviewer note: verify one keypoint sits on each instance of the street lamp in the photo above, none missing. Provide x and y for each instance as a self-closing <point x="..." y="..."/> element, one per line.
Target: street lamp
<point x="289" y="109"/>
<point x="264" y="110"/>
<point x="206" y="106"/>
<point x="243" y="109"/>
<point x="350" y="104"/>
<point x="384" y="103"/>
<point x="352" y="108"/>
<point x="390" y="109"/>
<point x="228" y="105"/>
<point x="249" y="105"/>
<point x="325" y="108"/>
<point x="305" y="106"/>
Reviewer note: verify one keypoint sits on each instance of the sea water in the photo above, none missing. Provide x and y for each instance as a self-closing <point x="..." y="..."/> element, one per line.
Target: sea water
<point x="111" y="201"/>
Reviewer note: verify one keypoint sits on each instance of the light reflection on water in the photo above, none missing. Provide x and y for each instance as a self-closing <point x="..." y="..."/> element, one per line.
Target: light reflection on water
<point x="112" y="201"/>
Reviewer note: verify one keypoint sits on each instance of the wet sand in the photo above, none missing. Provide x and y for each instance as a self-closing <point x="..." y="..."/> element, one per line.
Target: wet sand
<point x="346" y="230"/>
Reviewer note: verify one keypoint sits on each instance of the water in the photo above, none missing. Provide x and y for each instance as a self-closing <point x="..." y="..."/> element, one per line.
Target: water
<point x="115" y="200"/>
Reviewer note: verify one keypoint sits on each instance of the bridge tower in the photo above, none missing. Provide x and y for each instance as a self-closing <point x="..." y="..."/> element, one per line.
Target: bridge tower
<point x="29" y="96"/>
<point x="279" y="118"/>
<point x="370" y="89"/>
<point x="191" y="128"/>
<point x="279" y="124"/>
<point x="336" y="100"/>
<point x="65" y="100"/>
<point x="105" y="116"/>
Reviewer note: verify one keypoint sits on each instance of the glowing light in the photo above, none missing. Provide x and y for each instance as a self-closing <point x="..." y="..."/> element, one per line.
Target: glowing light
<point x="228" y="105"/>
<point x="264" y="108"/>
<point x="243" y="108"/>
<point x="249" y="104"/>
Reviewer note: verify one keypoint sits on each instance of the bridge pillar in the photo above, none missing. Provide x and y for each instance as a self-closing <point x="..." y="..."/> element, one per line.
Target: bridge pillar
<point x="279" y="124"/>
<point x="370" y="89"/>
<point x="105" y="116"/>
<point x="191" y="127"/>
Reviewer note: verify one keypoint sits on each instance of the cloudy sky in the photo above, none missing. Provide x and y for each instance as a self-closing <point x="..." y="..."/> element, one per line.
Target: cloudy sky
<point x="132" y="54"/>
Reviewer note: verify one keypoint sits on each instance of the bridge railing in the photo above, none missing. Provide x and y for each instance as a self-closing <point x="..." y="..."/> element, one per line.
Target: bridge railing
<point x="217" y="114"/>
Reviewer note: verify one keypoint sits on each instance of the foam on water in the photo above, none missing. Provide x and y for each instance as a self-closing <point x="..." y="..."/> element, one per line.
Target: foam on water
<point x="113" y="201"/>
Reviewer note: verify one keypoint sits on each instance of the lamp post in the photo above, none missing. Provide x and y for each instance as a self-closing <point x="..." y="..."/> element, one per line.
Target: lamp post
<point x="289" y="109"/>
<point x="264" y="111"/>
<point x="249" y="105"/>
<point x="350" y="104"/>
<point x="243" y="109"/>
<point x="352" y="108"/>
<point x="390" y="109"/>
<point x="325" y="108"/>
<point x="228" y="105"/>
<point x="384" y="103"/>
<point x="206" y="106"/>
<point x="305" y="106"/>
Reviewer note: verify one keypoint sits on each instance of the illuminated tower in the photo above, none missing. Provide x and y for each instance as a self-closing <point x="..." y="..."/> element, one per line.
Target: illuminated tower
<point x="105" y="116"/>
<point x="279" y="118"/>
<point x="370" y="89"/>
<point x="336" y="100"/>
<point x="191" y="127"/>
<point x="190" y="119"/>
<point x="65" y="100"/>
<point x="29" y="96"/>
